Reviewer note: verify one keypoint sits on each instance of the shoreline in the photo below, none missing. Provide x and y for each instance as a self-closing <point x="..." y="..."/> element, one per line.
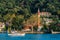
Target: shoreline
<point x="40" y="32"/>
<point x="21" y="32"/>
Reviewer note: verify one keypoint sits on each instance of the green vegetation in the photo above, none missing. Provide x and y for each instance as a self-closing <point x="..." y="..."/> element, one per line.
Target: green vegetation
<point x="15" y="12"/>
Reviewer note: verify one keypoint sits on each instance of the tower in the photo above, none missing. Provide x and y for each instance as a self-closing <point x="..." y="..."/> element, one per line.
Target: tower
<point x="39" y="21"/>
<point x="38" y="13"/>
<point x="38" y="18"/>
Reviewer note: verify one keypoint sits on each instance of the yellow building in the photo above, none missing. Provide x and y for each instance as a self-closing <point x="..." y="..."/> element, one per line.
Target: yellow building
<point x="2" y="26"/>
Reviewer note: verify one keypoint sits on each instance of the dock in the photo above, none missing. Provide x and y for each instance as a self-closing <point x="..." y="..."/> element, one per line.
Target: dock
<point x="32" y="32"/>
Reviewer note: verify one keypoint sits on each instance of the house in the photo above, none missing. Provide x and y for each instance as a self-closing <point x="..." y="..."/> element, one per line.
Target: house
<point x="2" y="25"/>
<point x="27" y="28"/>
<point x="47" y="14"/>
<point x="45" y="19"/>
<point x="38" y="23"/>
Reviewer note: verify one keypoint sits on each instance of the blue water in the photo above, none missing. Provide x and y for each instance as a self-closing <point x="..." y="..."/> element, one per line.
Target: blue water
<point x="4" y="36"/>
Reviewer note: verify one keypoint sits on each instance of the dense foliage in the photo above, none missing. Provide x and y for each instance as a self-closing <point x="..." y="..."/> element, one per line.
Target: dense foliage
<point x="14" y="12"/>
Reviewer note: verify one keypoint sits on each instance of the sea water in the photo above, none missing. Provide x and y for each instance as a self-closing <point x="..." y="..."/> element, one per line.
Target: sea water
<point x="5" y="36"/>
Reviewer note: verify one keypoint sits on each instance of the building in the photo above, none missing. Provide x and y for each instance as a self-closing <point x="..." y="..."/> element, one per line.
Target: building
<point x="40" y="26"/>
<point x="38" y="23"/>
<point x="45" y="19"/>
<point x="2" y="26"/>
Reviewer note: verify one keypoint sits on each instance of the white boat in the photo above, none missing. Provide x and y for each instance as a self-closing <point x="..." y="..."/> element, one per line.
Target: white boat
<point x="15" y="33"/>
<point x="55" y="32"/>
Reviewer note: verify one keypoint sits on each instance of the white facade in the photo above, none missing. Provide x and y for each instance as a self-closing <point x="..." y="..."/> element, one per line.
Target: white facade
<point x="2" y="25"/>
<point x="39" y="28"/>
